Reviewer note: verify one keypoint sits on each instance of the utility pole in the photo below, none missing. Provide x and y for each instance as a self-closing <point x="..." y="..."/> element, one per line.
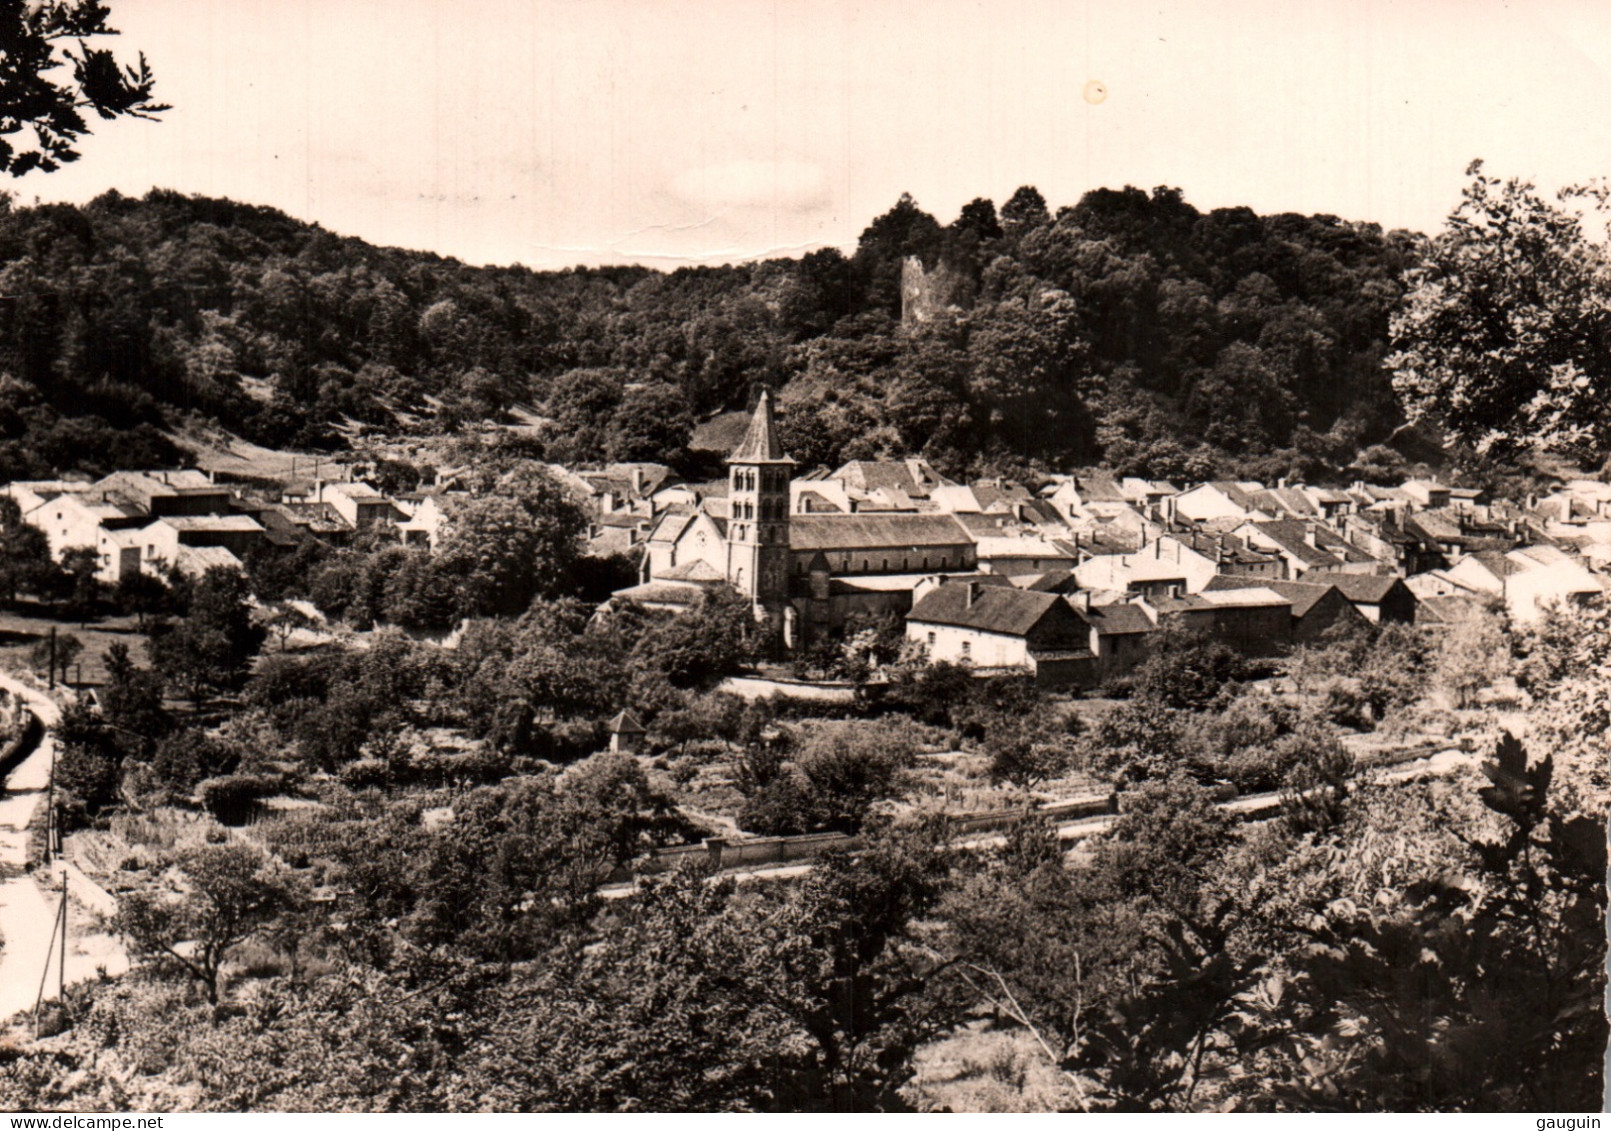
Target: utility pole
<point x="61" y="957"/>
<point x="58" y="928"/>
<point x="50" y="802"/>
<point x="50" y="676"/>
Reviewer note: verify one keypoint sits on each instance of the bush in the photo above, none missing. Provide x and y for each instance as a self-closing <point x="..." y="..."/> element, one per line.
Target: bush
<point x="189" y="756"/>
<point x="280" y="679"/>
<point x="829" y="782"/>
<point x="366" y="773"/>
<point x="234" y="800"/>
<point x="571" y="741"/>
<point x="1186" y="670"/>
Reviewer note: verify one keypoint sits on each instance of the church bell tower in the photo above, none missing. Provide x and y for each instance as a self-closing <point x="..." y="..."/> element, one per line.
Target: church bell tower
<point x="758" y="519"/>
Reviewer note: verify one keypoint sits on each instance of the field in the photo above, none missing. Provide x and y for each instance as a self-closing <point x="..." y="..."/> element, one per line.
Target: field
<point x="21" y="633"/>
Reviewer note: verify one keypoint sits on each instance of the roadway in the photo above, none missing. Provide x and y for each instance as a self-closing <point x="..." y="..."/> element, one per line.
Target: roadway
<point x="27" y="914"/>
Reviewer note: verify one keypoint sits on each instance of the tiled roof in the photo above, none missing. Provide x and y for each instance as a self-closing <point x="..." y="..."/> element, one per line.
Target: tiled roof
<point x="626" y="723"/>
<point x="999" y="494"/>
<point x="1254" y="596"/>
<point x="356" y="489"/>
<point x="1185" y="603"/>
<point x="669" y="526"/>
<point x="1236" y="494"/>
<point x="1295" y="501"/>
<point x="874" y="531"/>
<point x="1302" y="595"/>
<point x="1118" y="620"/>
<point x="1291" y="535"/>
<point x="197" y="560"/>
<point x="992" y="608"/>
<point x="814" y="502"/>
<point x="1052" y="581"/>
<point x="1438" y="525"/>
<point x="610" y="541"/>
<point x="321" y="517"/>
<point x="663" y="593"/>
<point x="1041" y="513"/>
<point x="150" y="483"/>
<point x="234" y="523"/>
<point x="983" y="525"/>
<point x="653" y="475"/>
<point x="1098" y="487"/>
<point x="1018" y="547"/>
<point x="1369" y="588"/>
<point x="912" y="476"/>
<point x="697" y="570"/>
<point x="110" y="506"/>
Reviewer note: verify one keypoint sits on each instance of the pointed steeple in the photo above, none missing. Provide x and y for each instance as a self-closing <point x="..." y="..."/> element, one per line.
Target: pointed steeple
<point x="761" y="443"/>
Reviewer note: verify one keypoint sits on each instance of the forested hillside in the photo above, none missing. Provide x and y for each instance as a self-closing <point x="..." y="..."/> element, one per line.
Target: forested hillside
<point x="1129" y="328"/>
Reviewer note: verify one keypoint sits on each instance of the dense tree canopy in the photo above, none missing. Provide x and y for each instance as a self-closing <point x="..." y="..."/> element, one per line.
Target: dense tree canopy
<point x="1505" y="334"/>
<point x="1130" y="327"/>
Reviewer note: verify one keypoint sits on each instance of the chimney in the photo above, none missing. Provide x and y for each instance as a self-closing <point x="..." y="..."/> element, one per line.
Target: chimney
<point x="637" y="480"/>
<point x="1281" y="484"/>
<point x="1082" y="600"/>
<point x="1309" y="534"/>
<point x="971" y="595"/>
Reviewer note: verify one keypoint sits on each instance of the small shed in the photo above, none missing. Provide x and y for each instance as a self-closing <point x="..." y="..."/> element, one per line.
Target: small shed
<point x="626" y="734"/>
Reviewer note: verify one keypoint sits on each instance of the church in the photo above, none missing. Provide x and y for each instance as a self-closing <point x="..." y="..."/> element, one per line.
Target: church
<point x="806" y="573"/>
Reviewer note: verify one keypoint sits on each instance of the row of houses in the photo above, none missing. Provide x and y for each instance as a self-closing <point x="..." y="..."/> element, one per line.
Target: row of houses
<point x="153" y="522"/>
<point x="1069" y="576"/>
<point x="1084" y="638"/>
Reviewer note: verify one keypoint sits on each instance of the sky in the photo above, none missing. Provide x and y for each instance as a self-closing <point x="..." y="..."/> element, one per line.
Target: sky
<point x="561" y="132"/>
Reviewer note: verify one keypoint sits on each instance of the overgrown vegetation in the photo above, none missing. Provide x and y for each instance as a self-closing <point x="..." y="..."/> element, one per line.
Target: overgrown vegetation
<point x="1129" y="327"/>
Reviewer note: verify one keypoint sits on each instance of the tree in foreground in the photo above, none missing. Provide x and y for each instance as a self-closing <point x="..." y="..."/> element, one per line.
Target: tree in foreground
<point x="1505" y="335"/>
<point x="212" y="648"/>
<point x="232" y="894"/>
<point x="26" y="564"/>
<point x="1482" y="989"/>
<point x="36" y="94"/>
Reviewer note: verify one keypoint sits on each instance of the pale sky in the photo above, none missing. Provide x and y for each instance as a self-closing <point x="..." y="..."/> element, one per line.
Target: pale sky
<point x="557" y="132"/>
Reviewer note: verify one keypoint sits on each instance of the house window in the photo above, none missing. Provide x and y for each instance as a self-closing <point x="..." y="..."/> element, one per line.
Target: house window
<point x="931" y="640"/>
<point x="967" y="650"/>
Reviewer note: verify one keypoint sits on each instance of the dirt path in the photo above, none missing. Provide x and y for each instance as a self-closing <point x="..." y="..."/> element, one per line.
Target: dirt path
<point x="27" y="914"/>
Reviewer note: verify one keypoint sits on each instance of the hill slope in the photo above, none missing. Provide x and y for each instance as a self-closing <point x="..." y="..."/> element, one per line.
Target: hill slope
<point x="1129" y="328"/>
